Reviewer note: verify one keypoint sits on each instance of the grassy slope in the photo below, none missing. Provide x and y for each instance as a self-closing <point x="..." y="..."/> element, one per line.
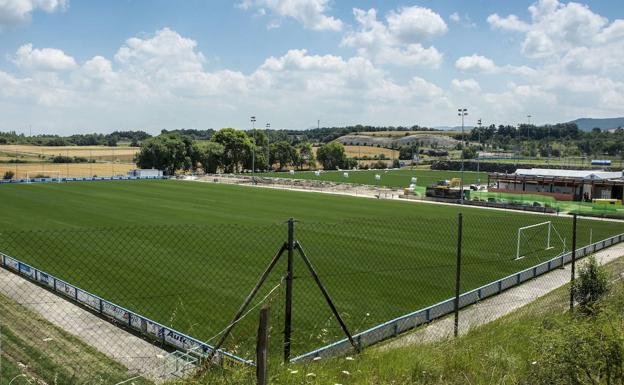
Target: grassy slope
<point x="389" y="178"/>
<point x="390" y="258"/>
<point x="35" y="351"/>
<point x="506" y="351"/>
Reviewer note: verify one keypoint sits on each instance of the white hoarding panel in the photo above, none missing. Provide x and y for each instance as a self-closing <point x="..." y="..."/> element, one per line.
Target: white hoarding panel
<point x="88" y="299"/>
<point x="45" y="279"/>
<point x="12" y="263"/>
<point x="66" y="289"/>
<point x="115" y="312"/>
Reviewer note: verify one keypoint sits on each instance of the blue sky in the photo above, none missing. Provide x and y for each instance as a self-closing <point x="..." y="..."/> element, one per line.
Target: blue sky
<point x="81" y="66"/>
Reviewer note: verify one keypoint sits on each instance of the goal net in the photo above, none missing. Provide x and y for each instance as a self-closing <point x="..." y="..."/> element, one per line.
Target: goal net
<point x="533" y="240"/>
<point x="54" y="174"/>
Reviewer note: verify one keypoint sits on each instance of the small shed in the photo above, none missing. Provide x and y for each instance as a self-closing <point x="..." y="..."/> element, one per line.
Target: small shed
<point x="145" y="172"/>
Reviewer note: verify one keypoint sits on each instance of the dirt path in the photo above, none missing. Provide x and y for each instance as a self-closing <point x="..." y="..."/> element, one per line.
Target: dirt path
<point x="500" y="305"/>
<point x="137" y="355"/>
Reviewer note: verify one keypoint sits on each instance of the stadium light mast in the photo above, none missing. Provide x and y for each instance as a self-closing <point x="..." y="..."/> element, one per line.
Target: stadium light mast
<point x="478" y="159"/>
<point x="253" y="149"/>
<point x="268" y="127"/>
<point x="462" y="112"/>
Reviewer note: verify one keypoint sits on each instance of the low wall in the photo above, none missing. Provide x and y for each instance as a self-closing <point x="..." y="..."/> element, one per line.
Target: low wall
<point x="420" y="317"/>
<point x="78" y="179"/>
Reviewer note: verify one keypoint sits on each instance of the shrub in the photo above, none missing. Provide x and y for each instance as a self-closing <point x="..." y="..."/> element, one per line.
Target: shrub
<point x="8" y="174"/>
<point x="588" y="350"/>
<point x="590" y="285"/>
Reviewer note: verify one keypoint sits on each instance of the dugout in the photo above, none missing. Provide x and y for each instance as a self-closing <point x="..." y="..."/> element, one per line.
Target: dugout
<point x="563" y="185"/>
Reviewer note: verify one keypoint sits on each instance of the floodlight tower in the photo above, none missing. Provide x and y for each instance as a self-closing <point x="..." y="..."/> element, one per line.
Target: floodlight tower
<point x="478" y="159"/>
<point x="268" y="127"/>
<point x="253" y="149"/>
<point x="463" y="112"/>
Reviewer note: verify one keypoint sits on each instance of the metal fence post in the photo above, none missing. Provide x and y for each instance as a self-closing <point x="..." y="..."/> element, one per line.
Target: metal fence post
<point x="289" y="288"/>
<point x="262" y="347"/>
<point x="458" y="272"/>
<point x="573" y="267"/>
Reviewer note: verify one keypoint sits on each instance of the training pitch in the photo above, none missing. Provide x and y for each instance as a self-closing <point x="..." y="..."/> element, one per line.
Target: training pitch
<point x="187" y="253"/>
<point x="388" y="178"/>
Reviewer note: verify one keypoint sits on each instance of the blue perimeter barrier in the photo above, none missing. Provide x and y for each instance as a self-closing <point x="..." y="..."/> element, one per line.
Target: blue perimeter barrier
<point x="114" y="312"/>
<point x="420" y="317"/>
<point x="78" y="179"/>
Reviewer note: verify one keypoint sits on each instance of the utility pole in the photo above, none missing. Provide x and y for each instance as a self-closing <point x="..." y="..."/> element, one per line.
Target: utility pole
<point x="268" y="127"/>
<point x="478" y="158"/>
<point x="253" y="149"/>
<point x="462" y="112"/>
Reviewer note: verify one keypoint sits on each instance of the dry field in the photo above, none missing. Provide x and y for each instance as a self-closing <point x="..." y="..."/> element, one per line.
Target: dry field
<point x="67" y="169"/>
<point x="393" y="134"/>
<point x="99" y="153"/>
<point x="369" y="151"/>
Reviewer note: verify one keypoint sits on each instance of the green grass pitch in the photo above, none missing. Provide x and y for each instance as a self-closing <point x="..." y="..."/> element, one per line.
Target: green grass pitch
<point x="187" y="253"/>
<point x="389" y="178"/>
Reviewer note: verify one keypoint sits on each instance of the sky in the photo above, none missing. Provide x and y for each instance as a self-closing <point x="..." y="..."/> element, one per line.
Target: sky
<point x="78" y="66"/>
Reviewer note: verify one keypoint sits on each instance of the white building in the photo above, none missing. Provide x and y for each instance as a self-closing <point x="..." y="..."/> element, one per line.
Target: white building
<point x="145" y="173"/>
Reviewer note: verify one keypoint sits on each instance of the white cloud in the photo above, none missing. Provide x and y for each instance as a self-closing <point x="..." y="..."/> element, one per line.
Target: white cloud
<point x="467" y="85"/>
<point x="44" y="59"/>
<point x="159" y="80"/>
<point x="310" y="13"/>
<point x="478" y="63"/>
<point x="415" y="23"/>
<point x="15" y="12"/>
<point x="555" y="28"/>
<point x="511" y="23"/>
<point x="398" y="40"/>
<point x="455" y="17"/>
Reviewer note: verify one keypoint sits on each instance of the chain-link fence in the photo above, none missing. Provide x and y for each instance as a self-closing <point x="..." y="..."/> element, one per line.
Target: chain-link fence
<point x="158" y="300"/>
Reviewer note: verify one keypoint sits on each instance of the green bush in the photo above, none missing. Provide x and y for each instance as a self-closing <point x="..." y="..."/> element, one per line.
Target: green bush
<point x="590" y="285"/>
<point x="589" y="350"/>
<point x="8" y="174"/>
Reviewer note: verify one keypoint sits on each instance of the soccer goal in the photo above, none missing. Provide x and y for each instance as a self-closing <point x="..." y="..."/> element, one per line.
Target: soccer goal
<point x="55" y="174"/>
<point x="536" y="238"/>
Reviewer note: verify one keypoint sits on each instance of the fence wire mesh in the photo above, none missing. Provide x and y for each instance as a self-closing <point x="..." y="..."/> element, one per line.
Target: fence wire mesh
<point x="179" y="287"/>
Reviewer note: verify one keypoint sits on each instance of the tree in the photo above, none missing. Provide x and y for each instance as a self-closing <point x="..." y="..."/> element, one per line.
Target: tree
<point x="8" y="174"/>
<point x="210" y="155"/>
<point x="283" y="153"/>
<point x="237" y="148"/>
<point x="332" y="156"/>
<point x="305" y="156"/>
<point x="469" y="153"/>
<point x="169" y="152"/>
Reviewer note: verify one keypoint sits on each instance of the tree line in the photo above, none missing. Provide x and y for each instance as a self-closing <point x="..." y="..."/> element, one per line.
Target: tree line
<point x="232" y="151"/>
<point x="564" y="139"/>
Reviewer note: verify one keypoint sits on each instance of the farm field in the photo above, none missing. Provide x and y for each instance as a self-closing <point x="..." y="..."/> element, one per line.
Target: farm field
<point x="187" y="253"/>
<point x="404" y="133"/>
<point x="389" y="178"/>
<point x="40" y="153"/>
<point x="369" y="151"/>
<point x="67" y="169"/>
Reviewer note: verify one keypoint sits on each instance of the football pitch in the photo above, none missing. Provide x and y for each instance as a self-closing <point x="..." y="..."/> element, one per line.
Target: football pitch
<point x="389" y="178"/>
<point x="186" y="254"/>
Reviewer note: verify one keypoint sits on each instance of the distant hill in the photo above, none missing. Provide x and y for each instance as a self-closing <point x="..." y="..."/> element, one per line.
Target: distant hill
<point x="587" y="124"/>
<point x="455" y="128"/>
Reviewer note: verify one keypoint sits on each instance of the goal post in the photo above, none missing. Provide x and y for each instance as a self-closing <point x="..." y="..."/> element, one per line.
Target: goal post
<point x="548" y="227"/>
<point x="54" y="174"/>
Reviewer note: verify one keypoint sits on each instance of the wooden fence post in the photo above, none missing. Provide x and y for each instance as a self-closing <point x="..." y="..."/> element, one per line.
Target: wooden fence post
<point x="262" y="347"/>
